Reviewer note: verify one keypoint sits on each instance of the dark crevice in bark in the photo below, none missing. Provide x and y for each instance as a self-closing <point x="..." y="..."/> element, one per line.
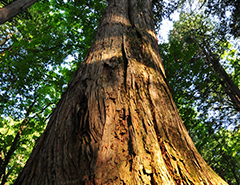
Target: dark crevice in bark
<point x="150" y="100"/>
<point x="144" y="126"/>
<point x="167" y="160"/>
<point x="139" y="35"/>
<point x="93" y="180"/>
<point x="184" y="179"/>
<point x="153" y="181"/>
<point x="101" y="117"/>
<point x="140" y="177"/>
<point x="208" y="181"/>
<point x="124" y="114"/>
<point x="130" y="15"/>
<point x="138" y="90"/>
<point x="157" y="131"/>
<point x="196" y="160"/>
<point x="131" y="142"/>
<point x="131" y="164"/>
<point x="104" y="110"/>
<point x="178" y="178"/>
<point x="180" y="173"/>
<point x="122" y="182"/>
<point x="78" y="117"/>
<point x="125" y="61"/>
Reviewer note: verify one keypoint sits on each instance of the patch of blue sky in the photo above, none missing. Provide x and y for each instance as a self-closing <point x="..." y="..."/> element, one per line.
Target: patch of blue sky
<point x="166" y="26"/>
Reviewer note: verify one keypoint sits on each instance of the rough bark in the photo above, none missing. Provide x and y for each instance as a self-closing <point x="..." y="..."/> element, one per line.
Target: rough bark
<point x="117" y="122"/>
<point x="13" y="9"/>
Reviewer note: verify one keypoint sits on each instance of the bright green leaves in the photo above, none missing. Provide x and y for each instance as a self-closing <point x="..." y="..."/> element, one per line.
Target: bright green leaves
<point x="38" y="55"/>
<point x="231" y="61"/>
<point x="203" y="103"/>
<point x="222" y="152"/>
<point x="8" y="131"/>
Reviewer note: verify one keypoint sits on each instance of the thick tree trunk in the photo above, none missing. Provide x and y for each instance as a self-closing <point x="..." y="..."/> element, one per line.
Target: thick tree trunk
<point x="117" y="122"/>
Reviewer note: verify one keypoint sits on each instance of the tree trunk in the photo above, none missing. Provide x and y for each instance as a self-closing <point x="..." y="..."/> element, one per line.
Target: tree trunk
<point x="14" y="8"/>
<point x="117" y="122"/>
<point x="223" y="78"/>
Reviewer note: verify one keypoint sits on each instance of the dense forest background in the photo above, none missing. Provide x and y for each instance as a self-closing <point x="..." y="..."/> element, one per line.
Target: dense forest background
<point x="42" y="47"/>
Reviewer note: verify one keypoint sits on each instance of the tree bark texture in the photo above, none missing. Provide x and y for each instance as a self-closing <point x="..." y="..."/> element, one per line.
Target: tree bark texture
<point x="117" y="122"/>
<point x="13" y="9"/>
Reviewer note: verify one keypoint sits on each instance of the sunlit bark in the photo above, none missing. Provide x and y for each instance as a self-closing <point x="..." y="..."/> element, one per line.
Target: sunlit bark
<point x="117" y="122"/>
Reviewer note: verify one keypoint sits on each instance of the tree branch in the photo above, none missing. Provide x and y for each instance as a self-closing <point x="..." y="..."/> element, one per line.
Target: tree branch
<point x="13" y="9"/>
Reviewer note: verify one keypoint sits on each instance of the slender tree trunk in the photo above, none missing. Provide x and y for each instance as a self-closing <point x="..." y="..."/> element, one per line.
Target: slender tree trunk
<point x="117" y="122"/>
<point x="223" y="78"/>
<point x="14" y="8"/>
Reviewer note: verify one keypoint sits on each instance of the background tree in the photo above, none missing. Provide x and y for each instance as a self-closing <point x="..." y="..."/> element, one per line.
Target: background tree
<point x="197" y="86"/>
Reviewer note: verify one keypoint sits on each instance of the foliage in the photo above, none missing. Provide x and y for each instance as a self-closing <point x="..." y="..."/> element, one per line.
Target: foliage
<point x="206" y="110"/>
<point x="164" y="9"/>
<point x="221" y="151"/>
<point x="35" y="69"/>
<point x="228" y="11"/>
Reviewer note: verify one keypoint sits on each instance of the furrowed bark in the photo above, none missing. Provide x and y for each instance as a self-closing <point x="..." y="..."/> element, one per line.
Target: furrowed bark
<point x="117" y="122"/>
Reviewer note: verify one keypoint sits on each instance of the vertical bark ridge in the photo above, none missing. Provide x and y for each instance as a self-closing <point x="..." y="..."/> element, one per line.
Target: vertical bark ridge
<point x="125" y="60"/>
